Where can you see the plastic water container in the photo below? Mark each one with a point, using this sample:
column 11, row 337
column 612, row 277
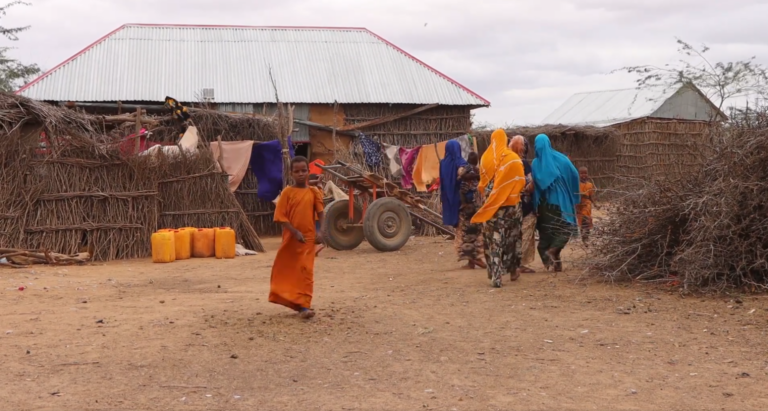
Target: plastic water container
column 183, row 239
column 163, row 247
column 203, row 243
column 225, row 242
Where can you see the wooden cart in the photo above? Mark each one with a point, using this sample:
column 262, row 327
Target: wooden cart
column 384, row 219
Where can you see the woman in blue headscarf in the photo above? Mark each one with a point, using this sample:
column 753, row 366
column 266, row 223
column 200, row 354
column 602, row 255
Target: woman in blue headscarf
column 555, row 196
column 460, row 201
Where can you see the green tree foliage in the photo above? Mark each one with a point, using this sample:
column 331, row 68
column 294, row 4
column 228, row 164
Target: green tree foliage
column 13, row 73
column 719, row 81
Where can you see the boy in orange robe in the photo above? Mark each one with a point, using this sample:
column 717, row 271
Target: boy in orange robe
column 584, row 209
column 293, row 271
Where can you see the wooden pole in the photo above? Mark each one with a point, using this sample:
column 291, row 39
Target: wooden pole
column 335, row 127
column 137, row 143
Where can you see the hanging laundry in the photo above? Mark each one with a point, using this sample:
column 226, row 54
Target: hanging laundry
column 314, row 167
column 128, row 145
column 234, row 157
column 267, row 166
column 427, row 168
column 393, row 156
column 189, row 140
column 371, row 150
column 465, row 142
column 408, row 157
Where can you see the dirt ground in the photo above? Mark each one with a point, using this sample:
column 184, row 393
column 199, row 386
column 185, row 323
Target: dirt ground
column 401, row 331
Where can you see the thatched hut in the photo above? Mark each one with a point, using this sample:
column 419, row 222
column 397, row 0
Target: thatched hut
column 81, row 191
column 661, row 129
column 593, row 147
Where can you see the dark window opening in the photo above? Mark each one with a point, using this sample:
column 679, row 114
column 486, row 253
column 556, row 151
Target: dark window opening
column 302, row 149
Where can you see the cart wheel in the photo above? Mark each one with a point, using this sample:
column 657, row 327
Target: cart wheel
column 387, row 224
column 338, row 236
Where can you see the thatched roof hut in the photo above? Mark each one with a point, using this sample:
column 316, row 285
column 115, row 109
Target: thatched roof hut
column 592, row 147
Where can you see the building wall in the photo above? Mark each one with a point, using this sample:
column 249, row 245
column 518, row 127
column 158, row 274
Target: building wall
column 322, row 144
column 685, row 104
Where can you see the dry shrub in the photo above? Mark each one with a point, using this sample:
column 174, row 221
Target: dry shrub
column 707, row 231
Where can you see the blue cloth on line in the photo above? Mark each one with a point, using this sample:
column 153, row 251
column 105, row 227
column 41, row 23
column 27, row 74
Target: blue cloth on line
column 450, row 185
column 267, row 166
column 556, row 179
column 371, row 150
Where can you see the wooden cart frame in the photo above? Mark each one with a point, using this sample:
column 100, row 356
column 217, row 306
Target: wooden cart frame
column 386, row 214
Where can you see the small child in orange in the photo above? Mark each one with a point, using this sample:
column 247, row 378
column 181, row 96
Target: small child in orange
column 584, row 209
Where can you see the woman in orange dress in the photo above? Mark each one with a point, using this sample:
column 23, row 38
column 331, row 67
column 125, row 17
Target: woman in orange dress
column 293, row 271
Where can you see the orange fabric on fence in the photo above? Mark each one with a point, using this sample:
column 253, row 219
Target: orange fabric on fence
column 293, row 274
column 314, row 167
column 427, row 169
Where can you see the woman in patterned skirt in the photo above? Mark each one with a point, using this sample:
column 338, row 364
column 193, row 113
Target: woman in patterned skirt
column 458, row 198
column 502, row 177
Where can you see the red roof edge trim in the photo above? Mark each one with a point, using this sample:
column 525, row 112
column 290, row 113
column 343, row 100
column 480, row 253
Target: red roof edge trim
column 44, row 75
column 409, row 55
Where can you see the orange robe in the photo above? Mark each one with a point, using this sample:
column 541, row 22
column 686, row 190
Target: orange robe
column 293, row 271
column 584, row 209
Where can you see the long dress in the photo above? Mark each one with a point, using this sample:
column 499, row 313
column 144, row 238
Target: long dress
column 292, row 279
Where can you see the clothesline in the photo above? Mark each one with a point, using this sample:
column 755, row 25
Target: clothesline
column 416, row 166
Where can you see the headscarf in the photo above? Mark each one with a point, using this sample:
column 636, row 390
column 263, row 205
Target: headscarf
column 555, row 178
column 449, row 182
column 508, row 177
column 490, row 160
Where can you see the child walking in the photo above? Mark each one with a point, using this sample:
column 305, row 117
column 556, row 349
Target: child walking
column 584, row 209
column 297, row 210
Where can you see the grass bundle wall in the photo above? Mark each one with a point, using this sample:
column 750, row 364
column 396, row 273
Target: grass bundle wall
column 658, row 148
column 591, row 147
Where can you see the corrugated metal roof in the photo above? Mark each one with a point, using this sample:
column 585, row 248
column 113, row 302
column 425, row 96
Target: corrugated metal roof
column 603, row 108
column 309, row 65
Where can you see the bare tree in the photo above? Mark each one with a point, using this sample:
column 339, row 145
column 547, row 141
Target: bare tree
column 13, row 73
column 719, row 81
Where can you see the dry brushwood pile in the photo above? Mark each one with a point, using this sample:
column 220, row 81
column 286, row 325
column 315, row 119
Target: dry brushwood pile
column 707, row 231
column 82, row 194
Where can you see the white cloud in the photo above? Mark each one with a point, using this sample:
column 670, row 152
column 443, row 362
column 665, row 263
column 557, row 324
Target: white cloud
column 526, row 57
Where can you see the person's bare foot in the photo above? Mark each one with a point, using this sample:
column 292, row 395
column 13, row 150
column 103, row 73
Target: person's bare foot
column 552, row 259
column 526, row 270
column 468, row 266
column 307, row 313
column 480, row 264
column 514, row 276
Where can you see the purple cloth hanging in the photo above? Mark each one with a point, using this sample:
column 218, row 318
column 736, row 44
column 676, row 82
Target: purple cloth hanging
column 408, row 158
column 267, row 166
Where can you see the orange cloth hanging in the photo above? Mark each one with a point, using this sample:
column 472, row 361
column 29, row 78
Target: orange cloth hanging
column 427, row 169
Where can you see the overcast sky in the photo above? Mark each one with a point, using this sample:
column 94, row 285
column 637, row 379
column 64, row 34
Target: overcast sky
column 526, row 57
